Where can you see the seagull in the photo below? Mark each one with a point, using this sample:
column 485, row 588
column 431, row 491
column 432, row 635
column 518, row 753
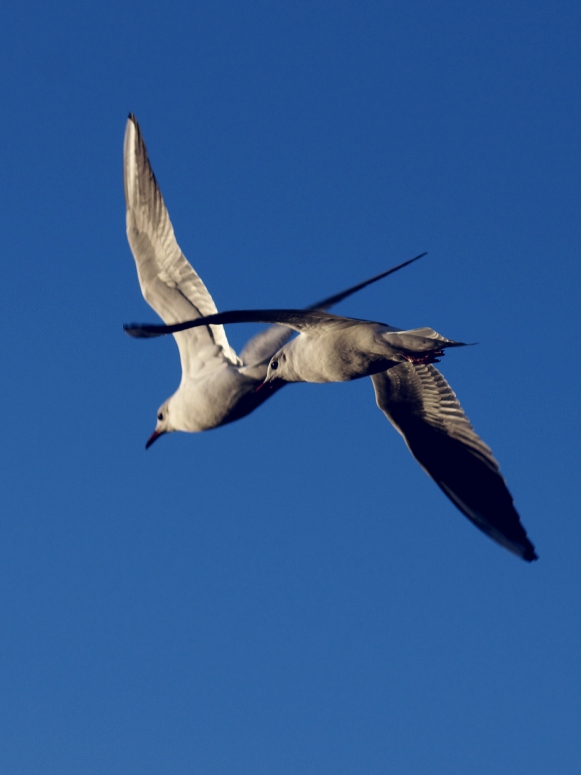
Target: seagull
column 410, row 391
column 217, row 386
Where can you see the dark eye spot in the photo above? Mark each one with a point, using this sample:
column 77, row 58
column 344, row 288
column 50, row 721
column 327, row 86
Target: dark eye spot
column 160, row 416
column 274, row 365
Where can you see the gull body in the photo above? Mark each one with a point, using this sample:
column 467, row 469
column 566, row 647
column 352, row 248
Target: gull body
column 347, row 350
column 217, row 385
column 328, row 348
column 409, row 390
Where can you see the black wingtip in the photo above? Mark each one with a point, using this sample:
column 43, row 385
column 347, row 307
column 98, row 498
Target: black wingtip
column 138, row 331
column 130, row 331
column 530, row 555
column 330, row 301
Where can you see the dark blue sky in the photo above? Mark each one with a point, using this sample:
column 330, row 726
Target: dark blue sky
column 288, row 594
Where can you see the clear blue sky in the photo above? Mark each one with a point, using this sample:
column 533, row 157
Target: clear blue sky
column 289, row 594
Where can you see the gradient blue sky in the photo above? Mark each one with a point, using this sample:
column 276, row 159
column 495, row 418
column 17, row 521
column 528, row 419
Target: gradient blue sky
column 289, row 594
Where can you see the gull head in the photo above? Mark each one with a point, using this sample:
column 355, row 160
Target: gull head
column 278, row 369
column 163, row 424
column 287, row 365
column 276, row 374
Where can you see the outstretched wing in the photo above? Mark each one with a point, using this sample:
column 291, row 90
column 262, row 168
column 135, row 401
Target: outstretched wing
column 266, row 343
column 301, row 320
column 421, row 405
column 168, row 282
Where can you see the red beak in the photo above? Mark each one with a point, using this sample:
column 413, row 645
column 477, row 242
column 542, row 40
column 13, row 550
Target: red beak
column 155, row 435
column 272, row 384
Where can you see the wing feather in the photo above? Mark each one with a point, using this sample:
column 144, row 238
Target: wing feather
column 421, row 405
column 303, row 321
column 168, row 282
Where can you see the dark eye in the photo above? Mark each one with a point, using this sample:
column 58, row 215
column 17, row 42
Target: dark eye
column 274, row 365
column 160, row 416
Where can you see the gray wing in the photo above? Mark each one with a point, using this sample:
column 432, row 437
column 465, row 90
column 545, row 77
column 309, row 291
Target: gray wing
column 168, row 282
column 266, row 343
column 303, row 321
column 421, row 405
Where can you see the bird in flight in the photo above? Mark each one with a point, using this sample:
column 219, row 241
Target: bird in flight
column 217, row 385
column 410, row 391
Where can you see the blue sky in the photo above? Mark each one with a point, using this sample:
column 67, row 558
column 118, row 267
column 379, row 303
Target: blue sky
column 289, row 594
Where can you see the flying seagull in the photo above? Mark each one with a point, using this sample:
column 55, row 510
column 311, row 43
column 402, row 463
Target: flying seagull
column 217, row 386
column 410, row 391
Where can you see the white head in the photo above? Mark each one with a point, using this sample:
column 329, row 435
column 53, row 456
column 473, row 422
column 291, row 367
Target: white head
column 163, row 424
column 281, row 368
